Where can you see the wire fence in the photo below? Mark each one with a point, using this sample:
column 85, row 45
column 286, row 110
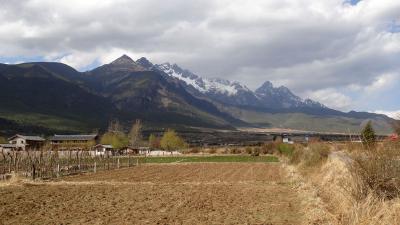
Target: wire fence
column 53, row 164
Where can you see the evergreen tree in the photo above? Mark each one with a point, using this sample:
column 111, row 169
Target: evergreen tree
column 368, row 135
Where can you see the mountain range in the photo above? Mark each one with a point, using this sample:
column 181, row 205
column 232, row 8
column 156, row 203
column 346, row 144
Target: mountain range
column 53, row 97
column 237, row 94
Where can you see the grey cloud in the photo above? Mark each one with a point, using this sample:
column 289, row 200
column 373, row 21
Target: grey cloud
column 312, row 45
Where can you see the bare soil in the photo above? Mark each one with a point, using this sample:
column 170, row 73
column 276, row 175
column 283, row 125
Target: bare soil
column 197, row 193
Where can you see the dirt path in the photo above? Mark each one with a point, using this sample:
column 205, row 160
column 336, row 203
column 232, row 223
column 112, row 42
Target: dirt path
column 198, row 193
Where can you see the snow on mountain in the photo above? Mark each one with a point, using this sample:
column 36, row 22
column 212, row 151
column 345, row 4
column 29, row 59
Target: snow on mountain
column 312, row 103
column 235, row 93
column 204, row 85
column 283, row 97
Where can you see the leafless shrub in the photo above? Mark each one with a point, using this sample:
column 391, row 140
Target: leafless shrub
column 312, row 155
column 212, row 151
column 248, row 150
column 193, row 150
column 235, row 150
column 269, row 148
column 256, row 151
column 378, row 170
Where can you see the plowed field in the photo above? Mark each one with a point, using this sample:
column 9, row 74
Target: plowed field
column 197, row 193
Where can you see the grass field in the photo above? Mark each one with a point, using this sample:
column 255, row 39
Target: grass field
column 222, row 158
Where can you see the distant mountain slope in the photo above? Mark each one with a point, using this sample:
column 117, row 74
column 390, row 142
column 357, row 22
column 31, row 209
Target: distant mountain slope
column 32, row 86
column 49, row 96
column 311, row 121
column 236, row 94
column 282, row 97
column 133, row 88
column 270, row 106
column 31, row 89
column 57, row 96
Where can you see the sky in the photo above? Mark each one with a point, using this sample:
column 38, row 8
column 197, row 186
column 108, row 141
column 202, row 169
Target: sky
column 343, row 53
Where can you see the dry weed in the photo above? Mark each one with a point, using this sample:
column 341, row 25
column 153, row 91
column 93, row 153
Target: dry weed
column 378, row 169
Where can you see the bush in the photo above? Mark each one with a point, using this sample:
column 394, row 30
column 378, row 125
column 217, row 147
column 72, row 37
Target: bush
column 378, row 171
column 286, row 149
column 256, row 151
column 235, row 151
column 311, row 156
column 353, row 146
column 212, row 151
column 249, row 150
column 316, row 155
column 269, row 148
column 297, row 156
column 194, row 150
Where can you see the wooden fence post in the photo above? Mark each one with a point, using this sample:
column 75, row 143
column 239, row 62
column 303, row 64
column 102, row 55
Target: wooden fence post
column 58, row 170
column 118, row 163
column 94, row 167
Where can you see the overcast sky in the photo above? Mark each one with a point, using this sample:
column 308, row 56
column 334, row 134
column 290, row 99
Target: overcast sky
column 345, row 54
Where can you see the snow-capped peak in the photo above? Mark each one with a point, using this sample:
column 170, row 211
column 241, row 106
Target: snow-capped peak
column 235, row 93
column 204, row 85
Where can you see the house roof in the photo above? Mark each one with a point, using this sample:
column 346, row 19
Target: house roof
column 28, row 138
column 104, row 146
column 78, row 137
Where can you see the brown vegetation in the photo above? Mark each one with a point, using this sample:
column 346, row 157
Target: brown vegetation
column 359, row 185
column 378, row 170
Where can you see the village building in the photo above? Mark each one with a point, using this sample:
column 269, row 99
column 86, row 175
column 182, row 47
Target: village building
column 22, row 143
column 7, row 147
column 101, row 149
column 77, row 142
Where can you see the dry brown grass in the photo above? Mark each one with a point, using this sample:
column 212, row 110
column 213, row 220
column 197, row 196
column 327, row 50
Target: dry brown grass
column 310, row 156
column 378, row 170
column 358, row 186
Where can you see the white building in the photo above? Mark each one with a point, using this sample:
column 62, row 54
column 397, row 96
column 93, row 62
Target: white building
column 102, row 149
column 22, row 142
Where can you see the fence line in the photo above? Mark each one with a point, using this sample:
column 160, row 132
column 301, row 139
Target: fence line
column 52, row 164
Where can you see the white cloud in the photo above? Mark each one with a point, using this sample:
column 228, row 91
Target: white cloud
column 306, row 45
column 331, row 98
column 382, row 82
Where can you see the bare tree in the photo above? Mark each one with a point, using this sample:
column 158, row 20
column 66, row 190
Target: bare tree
column 135, row 135
column 115, row 127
